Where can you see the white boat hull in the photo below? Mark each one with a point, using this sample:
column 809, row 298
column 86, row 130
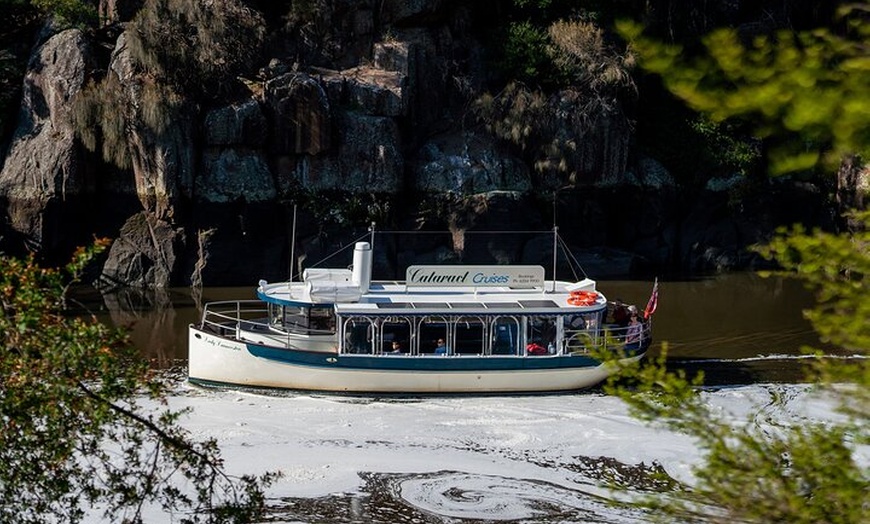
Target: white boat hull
column 219, row 360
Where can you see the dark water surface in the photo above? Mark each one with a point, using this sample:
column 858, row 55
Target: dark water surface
column 739, row 328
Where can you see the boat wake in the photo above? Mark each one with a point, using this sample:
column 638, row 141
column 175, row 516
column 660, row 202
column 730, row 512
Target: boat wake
column 758, row 369
column 764, row 358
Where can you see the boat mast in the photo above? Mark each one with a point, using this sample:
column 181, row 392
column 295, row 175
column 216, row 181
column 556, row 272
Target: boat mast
column 555, row 252
column 293, row 244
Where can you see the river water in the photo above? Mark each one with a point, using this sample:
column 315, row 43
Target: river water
column 526, row 459
column 738, row 328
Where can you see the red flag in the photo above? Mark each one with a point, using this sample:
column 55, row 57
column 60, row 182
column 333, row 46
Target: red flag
column 653, row 301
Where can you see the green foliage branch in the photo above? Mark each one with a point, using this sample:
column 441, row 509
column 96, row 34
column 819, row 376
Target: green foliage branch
column 836, row 268
column 811, row 86
column 762, row 470
column 754, row 471
column 808, row 91
column 525, row 52
column 83, row 422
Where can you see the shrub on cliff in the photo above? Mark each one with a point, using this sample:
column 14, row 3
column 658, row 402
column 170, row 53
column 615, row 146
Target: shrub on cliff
column 72, row 13
column 184, row 52
column 568, row 131
column 198, row 48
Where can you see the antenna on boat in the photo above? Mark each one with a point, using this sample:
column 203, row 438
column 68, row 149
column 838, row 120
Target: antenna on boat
column 372, row 231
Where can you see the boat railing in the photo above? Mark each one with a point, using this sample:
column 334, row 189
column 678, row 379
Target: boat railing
column 229, row 318
column 606, row 336
column 225, row 318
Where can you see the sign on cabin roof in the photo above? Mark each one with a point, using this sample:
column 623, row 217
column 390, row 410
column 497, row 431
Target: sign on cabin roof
column 516, row 277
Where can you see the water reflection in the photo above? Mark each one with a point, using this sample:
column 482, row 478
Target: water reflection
column 738, row 327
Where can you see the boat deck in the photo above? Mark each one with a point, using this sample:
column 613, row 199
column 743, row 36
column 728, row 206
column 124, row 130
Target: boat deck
column 397, row 297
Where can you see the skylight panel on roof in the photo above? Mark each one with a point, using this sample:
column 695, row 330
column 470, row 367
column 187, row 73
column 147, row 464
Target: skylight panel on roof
column 537, row 303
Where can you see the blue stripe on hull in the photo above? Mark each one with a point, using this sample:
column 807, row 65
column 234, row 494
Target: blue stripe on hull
column 418, row 363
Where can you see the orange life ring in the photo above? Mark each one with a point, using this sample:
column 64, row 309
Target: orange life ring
column 582, row 298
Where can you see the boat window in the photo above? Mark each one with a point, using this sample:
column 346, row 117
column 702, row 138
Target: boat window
column 321, row 320
column 276, row 313
column 431, row 331
column 469, row 335
column 396, row 329
column 294, row 318
column 311, row 320
column 541, row 331
column 583, row 321
column 505, row 336
column 358, row 335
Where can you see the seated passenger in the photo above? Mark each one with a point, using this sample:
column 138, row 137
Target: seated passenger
column 441, row 347
column 534, row 348
column 397, row 348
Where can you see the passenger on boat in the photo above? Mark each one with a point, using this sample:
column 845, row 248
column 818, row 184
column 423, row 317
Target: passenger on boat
column 534, row 348
column 621, row 316
column 441, row 348
column 634, row 333
column 397, row 347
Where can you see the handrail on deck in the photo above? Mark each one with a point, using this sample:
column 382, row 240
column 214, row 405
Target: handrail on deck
column 229, row 316
column 604, row 336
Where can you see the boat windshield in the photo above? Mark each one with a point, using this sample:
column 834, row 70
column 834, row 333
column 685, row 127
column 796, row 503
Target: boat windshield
column 303, row 319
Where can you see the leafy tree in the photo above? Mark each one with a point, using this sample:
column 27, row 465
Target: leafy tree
column 769, row 472
column 801, row 472
column 805, row 92
column 75, row 432
column 525, row 52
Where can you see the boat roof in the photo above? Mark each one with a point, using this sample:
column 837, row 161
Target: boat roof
column 397, row 298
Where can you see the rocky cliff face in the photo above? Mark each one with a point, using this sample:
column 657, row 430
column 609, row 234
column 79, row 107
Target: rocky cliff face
column 375, row 129
column 44, row 178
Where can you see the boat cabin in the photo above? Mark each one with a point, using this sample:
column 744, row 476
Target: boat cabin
column 436, row 311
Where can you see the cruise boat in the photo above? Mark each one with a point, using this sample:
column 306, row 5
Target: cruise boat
column 473, row 329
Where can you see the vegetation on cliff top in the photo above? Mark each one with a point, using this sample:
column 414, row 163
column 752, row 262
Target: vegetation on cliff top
column 183, row 52
column 598, row 84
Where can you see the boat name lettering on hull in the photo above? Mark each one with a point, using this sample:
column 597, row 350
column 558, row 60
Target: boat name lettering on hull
column 222, row 344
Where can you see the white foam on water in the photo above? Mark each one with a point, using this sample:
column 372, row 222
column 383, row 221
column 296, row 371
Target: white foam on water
column 497, row 458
